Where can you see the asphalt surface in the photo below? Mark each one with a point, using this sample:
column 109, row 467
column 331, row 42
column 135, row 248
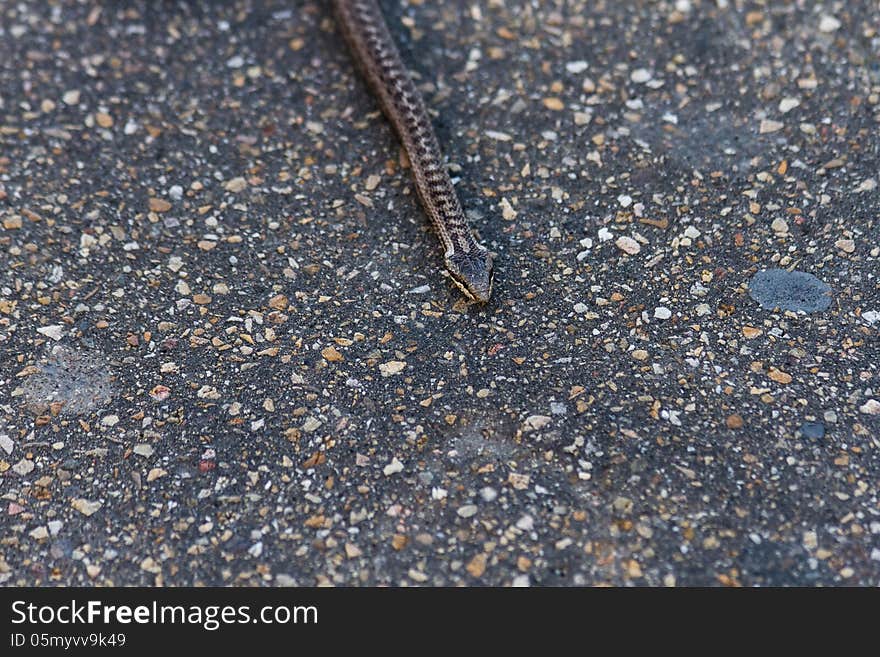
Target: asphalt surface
column 229, row 355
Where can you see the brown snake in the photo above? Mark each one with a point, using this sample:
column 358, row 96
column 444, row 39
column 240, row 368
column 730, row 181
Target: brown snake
column 469, row 264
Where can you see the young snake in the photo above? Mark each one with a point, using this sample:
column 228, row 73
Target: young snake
column 469, row 264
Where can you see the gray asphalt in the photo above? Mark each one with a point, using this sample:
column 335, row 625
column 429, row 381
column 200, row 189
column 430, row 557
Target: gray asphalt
column 229, row 355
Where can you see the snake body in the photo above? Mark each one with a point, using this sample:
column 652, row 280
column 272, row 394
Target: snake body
column 363, row 26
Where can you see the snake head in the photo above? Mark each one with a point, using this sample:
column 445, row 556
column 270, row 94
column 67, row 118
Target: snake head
column 471, row 272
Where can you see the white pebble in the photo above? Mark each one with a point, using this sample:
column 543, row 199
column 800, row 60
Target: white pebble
column 392, row 468
column 54, row 331
column 628, row 245
column 558, row 408
column 640, row 75
column 828, row 24
column 768, row 125
column 788, row 104
column 526, row 523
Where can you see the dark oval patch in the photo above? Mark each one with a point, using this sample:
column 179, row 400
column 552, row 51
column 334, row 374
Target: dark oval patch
column 789, row 290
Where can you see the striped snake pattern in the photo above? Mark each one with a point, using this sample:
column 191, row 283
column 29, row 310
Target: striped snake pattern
column 363, row 26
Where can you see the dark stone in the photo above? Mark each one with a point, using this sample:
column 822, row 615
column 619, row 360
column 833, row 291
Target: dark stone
column 812, row 430
column 789, row 290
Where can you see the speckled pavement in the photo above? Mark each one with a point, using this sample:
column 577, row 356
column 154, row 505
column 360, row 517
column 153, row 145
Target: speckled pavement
column 229, row 355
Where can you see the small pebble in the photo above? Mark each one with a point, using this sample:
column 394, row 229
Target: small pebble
column 828, row 24
column 628, row 245
column 815, row 430
column 788, row 104
column 640, row 75
column 870, row 407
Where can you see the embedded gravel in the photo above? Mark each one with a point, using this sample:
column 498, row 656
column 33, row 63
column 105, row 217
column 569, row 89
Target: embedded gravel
column 229, row 356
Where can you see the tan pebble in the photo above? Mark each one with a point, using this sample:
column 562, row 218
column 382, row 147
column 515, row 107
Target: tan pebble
column 372, row 182
column 85, row 506
column 811, row 541
column 768, row 126
column 392, row 367
column 12, row 222
column 159, row 205
column 507, row 211
column 39, row 533
column 633, row 569
column 331, row 355
column 536, row 422
column 779, row 376
column 279, row 302
column 156, row 473
column 847, row 246
column 235, row 185
column 477, row 566
column 779, row 225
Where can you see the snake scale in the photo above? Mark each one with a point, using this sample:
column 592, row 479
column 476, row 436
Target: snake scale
column 363, row 26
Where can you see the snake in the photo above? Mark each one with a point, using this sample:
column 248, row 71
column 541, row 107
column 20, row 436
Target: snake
column 375, row 55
